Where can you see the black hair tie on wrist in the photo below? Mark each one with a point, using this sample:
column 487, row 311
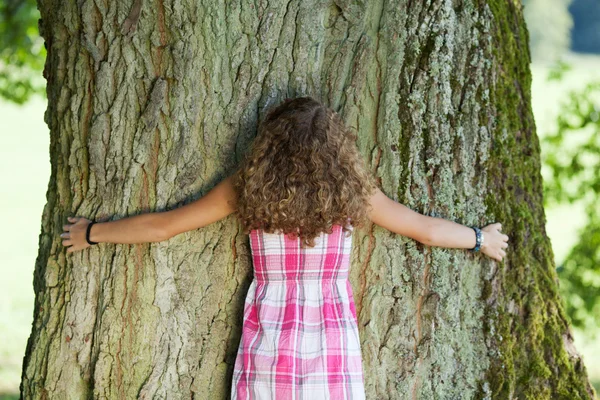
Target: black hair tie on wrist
column 87, row 233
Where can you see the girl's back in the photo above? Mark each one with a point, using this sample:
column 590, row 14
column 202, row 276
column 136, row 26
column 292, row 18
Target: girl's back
column 300, row 334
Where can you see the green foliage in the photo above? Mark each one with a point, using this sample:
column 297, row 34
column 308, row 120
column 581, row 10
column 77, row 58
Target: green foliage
column 549, row 24
column 580, row 278
column 559, row 70
column 22, row 51
column 572, row 154
column 573, row 151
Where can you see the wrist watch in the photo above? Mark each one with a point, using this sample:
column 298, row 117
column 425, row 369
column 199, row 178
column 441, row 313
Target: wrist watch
column 478, row 238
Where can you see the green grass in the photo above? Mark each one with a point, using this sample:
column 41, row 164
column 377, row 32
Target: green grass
column 25, row 168
column 9, row 396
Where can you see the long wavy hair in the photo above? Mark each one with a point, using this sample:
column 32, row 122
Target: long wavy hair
column 303, row 174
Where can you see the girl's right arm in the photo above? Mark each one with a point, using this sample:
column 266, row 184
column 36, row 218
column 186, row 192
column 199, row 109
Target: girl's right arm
column 217, row 204
column 433, row 231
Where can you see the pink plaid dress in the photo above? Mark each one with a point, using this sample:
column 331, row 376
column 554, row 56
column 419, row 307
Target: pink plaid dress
column 300, row 334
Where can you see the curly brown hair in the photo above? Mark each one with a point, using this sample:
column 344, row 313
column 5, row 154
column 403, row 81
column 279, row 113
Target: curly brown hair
column 303, row 174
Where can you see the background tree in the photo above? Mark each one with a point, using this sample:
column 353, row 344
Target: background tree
column 22, row 51
column 149, row 105
column 572, row 155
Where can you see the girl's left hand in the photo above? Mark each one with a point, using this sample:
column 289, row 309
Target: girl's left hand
column 494, row 241
column 74, row 234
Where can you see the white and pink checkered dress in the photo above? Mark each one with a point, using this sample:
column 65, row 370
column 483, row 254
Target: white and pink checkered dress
column 300, row 334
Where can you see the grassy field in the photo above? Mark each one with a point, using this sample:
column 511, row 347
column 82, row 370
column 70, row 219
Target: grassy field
column 25, row 170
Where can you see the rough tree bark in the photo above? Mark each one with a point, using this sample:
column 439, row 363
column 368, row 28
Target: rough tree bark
column 151, row 103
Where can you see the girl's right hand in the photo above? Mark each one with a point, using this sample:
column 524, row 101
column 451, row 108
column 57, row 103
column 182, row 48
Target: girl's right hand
column 74, row 234
column 494, row 241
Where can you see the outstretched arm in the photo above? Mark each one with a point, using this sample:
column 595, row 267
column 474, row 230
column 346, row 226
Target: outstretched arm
column 433, row 231
column 218, row 203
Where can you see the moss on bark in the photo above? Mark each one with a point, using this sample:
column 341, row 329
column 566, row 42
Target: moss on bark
column 527, row 325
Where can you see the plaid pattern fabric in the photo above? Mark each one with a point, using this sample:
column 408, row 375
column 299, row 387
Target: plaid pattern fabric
column 300, row 334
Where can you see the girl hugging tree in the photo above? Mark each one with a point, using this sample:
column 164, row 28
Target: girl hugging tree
column 299, row 193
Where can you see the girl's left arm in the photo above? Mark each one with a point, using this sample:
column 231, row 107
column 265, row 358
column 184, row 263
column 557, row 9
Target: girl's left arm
column 434, row 231
column 218, row 203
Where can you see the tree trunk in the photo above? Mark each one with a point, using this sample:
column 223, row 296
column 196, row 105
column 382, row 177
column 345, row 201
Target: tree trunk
column 152, row 103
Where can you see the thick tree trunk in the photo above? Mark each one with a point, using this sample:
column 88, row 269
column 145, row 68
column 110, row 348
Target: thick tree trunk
column 152, row 103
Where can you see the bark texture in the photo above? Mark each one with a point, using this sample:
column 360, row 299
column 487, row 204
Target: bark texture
column 151, row 103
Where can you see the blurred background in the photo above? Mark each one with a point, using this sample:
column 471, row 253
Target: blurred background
column 565, row 46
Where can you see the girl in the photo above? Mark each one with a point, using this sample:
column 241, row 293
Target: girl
column 299, row 193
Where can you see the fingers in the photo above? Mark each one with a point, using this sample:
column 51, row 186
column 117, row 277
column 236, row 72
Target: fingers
column 73, row 248
column 75, row 220
column 500, row 253
column 67, row 227
column 66, row 235
column 69, row 245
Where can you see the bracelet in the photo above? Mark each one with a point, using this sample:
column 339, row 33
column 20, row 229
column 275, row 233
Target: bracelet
column 87, row 233
column 478, row 238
